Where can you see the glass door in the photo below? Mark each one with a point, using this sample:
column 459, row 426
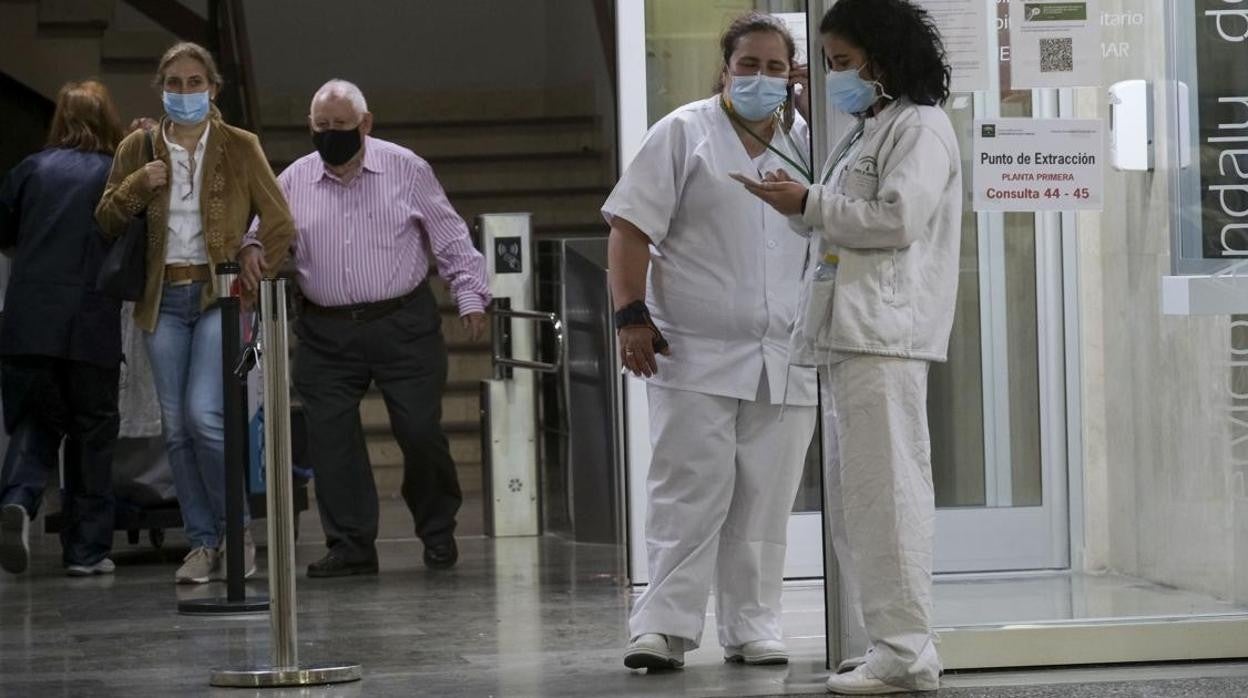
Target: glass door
column 669, row 56
column 998, row 439
column 1086, row 532
column 997, row 407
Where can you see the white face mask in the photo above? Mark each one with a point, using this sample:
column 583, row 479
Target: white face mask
column 755, row 97
column 850, row 93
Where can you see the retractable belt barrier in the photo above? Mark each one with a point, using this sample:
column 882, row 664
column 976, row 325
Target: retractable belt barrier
column 285, row 669
column 235, row 417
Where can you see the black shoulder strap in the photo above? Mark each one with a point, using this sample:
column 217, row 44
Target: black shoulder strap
column 151, row 146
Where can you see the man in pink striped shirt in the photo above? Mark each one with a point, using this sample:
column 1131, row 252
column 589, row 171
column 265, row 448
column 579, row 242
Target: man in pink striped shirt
column 368, row 214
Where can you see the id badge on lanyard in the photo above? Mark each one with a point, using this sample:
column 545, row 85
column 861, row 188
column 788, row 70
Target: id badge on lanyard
column 803, row 168
column 840, row 158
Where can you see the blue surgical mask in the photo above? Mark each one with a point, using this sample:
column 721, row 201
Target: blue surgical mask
column 187, row 109
column 848, row 92
column 754, row 97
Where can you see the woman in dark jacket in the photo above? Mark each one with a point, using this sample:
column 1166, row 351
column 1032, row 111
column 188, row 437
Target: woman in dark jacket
column 60, row 341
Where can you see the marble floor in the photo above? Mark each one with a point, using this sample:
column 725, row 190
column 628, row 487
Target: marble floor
column 1056, row 597
column 520, row 617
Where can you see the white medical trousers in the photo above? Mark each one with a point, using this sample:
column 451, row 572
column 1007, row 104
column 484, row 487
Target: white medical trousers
column 722, row 482
column 881, row 507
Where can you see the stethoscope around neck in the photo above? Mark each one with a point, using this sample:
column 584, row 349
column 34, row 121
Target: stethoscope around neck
column 802, row 168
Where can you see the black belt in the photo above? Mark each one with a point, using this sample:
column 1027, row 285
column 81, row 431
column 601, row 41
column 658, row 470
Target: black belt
column 364, row 312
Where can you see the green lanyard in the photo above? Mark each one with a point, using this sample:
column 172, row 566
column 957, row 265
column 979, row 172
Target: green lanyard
column 844, row 152
column 736, row 119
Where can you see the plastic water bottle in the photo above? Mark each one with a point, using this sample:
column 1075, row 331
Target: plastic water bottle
column 826, row 269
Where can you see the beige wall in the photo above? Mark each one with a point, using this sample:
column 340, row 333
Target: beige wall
column 1158, row 473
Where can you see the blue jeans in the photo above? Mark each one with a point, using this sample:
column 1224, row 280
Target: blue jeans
column 185, row 352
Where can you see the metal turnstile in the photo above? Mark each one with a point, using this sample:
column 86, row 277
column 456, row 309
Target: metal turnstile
column 582, row 412
column 509, row 450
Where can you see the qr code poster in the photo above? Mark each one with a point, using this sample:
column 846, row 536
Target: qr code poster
column 1055, row 43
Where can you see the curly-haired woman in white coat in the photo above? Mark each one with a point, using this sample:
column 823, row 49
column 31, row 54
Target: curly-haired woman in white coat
column 886, row 212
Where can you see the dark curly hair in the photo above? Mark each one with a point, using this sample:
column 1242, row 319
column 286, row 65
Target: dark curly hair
column 901, row 42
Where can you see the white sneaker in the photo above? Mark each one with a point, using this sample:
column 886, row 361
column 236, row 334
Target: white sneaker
column 653, row 651
column 853, row 663
column 758, row 653
column 861, row 682
column 14, row 538
column 104, row 566
column 197, row 567
column 249, row 558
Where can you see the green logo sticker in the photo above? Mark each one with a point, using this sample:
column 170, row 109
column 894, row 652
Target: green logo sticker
column 1055, row 12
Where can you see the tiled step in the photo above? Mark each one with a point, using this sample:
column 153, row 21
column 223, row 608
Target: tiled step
column 132, row 91
column 133, row 51
column 389, row 480
column 439, row 139
column 74, row 18
column 42, row 63
column 545, row 169
column 464, row 438
column 539, row 170
column 553, row 207
column 399, row 105
column 588, row 228
column 385, row 455
column 460, row 405
column 471, row 365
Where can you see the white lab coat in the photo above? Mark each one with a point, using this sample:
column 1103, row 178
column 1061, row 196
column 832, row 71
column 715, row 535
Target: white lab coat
column 725, row 273
column 895, row 218
column 725, row 269
column 894, row 215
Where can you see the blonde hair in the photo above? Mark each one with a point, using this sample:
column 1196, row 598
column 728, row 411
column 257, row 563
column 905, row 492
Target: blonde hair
column 85, row 119
column 188, row 49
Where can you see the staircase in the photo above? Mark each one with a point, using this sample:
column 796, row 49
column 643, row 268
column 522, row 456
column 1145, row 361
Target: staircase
column 557, row 167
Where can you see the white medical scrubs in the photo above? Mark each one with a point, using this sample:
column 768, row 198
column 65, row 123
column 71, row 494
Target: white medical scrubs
column 725, row 272
column 892, row 209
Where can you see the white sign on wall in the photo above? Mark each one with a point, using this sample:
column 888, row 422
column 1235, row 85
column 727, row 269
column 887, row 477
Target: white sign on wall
column 1055, row 43
column 964, row 28
column 1039, row 165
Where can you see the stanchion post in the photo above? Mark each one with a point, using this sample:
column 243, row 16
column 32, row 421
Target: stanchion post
column 277, row 458
column 285, row 669
column 235, row 417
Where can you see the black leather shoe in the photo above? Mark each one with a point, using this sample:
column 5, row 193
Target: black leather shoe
column 336, row 564
column 441, row 556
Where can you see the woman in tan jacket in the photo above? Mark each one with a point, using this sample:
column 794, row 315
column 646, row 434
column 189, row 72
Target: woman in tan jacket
column 200, row 192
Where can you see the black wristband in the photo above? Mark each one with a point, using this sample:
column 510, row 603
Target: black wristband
column 805, row 197
column 635, row 314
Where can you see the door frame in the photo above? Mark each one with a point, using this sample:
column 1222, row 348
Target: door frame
column 803, row 562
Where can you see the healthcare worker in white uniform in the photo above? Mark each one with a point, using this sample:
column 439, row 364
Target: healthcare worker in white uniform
column 705, row 280
column 875, row 312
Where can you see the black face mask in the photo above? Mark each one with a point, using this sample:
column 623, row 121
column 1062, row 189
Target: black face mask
column 337, row 147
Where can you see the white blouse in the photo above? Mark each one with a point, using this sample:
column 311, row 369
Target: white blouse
column 186, row 224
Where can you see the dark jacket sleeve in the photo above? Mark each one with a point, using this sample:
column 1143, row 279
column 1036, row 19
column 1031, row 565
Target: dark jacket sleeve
column 11, row 204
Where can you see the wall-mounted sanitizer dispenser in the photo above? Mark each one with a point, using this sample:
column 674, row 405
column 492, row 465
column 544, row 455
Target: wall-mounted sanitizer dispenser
column 1131, row 126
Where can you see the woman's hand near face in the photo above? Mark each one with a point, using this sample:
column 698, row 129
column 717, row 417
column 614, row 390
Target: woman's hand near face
column 780, row 192
column 799, row 78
